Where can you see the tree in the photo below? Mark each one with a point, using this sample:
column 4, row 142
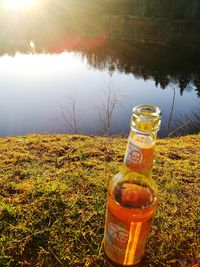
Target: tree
column 107, row 109
column 71, row 115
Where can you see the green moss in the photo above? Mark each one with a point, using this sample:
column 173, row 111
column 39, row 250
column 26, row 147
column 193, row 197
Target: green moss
column 53, row 195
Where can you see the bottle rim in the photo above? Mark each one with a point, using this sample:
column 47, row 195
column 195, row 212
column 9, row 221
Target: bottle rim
column 146, row 118
column 148, row 112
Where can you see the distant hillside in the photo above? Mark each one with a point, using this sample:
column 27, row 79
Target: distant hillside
column 162, row 22
column 170, row 9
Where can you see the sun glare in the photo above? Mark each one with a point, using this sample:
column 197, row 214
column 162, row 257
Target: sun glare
column 19, row 4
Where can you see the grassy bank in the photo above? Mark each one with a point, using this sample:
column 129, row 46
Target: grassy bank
column 53, row 195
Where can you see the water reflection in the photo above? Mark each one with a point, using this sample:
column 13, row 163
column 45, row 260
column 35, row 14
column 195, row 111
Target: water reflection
column 163, row 65
column 81, row 68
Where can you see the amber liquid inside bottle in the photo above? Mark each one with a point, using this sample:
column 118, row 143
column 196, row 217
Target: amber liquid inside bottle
column 132, row 197
column 131, row 206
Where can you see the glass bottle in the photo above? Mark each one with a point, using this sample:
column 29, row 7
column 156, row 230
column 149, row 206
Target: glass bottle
column 132, row 193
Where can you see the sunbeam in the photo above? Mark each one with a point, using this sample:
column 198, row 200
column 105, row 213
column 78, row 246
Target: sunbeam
column 19, row 4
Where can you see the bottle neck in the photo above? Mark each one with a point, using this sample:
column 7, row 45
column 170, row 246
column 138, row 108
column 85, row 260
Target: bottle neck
column 140, row 151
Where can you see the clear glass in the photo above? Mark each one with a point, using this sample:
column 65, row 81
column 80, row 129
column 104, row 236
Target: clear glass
column 145, row 123
column 146, row 119
column 132, row 196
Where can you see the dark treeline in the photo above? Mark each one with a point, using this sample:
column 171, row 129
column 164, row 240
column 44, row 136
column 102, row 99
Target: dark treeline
column 164, row 66
column 162, row 22
column 170, row 9
column 55, row 26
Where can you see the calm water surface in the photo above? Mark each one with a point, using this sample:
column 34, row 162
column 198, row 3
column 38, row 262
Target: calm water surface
column 38, row 90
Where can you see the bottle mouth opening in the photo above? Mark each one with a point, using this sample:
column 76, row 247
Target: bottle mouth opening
column 146, row 118
column 148, row 112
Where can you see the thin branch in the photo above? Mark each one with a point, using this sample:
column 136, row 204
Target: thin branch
column 55, row 256
column 71, row 115
column 178, row 128
column 106, row 110
column 170, row 117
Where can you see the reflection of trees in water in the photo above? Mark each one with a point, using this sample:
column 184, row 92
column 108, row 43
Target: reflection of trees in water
column 162, row 65
column 188, row 124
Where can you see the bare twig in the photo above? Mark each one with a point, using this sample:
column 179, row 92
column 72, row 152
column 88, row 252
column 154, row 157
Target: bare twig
column 55, row 256
column 189, row 124
column 178, row 128
column 107, row 109
column 170, row 116
column 71, row 115
column 31, row 235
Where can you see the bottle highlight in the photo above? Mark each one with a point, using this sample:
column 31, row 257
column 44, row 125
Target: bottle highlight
column 133, row 194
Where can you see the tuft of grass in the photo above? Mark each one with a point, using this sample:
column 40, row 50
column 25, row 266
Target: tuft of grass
column 53, row 191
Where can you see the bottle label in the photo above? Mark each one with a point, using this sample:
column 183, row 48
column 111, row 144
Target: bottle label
column 139, row 153
column 124, row 242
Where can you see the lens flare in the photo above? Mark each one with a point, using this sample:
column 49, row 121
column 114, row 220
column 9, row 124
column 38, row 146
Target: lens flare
column 19, row 4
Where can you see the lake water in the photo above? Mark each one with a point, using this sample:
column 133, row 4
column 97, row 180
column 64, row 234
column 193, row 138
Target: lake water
column 42, row 89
